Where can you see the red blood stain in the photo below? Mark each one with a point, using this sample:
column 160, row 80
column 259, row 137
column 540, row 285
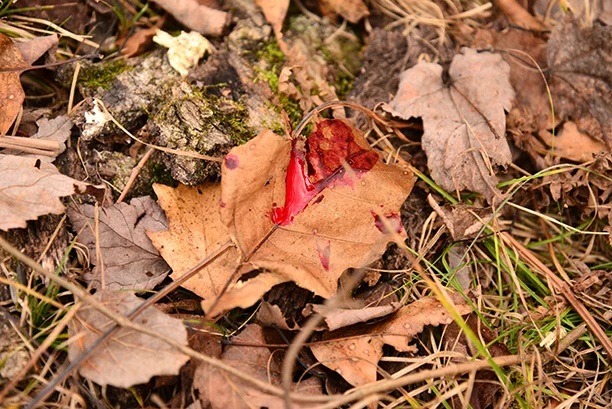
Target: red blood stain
column 324, row 253
column 222, row 204
column 394, row 220
column 231, row 161
column 319, row 166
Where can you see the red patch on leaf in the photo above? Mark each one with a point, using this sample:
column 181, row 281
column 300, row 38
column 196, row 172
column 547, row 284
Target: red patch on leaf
column 231, row 161
column 392, row 218
column 330, row 145
column 324, row 253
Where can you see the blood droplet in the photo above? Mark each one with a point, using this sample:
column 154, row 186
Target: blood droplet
column 231, row 161
column 394, row 220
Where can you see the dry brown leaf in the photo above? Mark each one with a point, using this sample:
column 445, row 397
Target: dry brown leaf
column 464, row 222
column 351, row 10
column 336, row 318
column 465, row 124
column 219, row 390
column 356, row 352
column 129, row 259
column 127, row 357
column 571, row 143
column 519, row 16
column 580, row 61
column 35, row 48
column 195, row 16
column 195, row 230
column 274, row 11
column 138, row 42
column 331, row 220
column 56, row 129
column 30, row 188
column 11, row 92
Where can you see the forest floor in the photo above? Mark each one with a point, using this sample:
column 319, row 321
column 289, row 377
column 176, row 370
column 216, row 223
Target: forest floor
column 315, row 203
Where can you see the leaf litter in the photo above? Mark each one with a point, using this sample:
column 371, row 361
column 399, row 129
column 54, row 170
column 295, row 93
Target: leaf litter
column 293, row 211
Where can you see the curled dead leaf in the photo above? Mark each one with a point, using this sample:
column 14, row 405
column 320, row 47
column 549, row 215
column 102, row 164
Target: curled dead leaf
column 354, row 352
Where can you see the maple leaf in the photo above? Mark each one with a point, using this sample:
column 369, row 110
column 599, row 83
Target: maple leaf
column 356, row 352
column 129, row 258
column 127, row 357
column 292, row 208
column 11, row 92
column 194, row 231
column 220, row 390
column 30, row 188
column 464, row 124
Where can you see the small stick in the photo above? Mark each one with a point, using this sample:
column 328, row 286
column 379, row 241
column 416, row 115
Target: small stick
column 135, row 173
column 18, row 142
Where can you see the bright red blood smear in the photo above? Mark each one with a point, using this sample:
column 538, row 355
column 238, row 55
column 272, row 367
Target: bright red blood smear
column 324, row 255
column 393, row 219
column 231, row 161
column 309, row 173
column 298, row 189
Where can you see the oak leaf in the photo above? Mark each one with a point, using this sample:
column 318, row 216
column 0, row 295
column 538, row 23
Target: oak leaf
column 351, row 10
column 127, row 357
column 356, row 352
column 219, row 390
column 11, row 92
column 293, row 209
column 464, row 124
column 129, row 259
column 30, row 188
column 50, row 130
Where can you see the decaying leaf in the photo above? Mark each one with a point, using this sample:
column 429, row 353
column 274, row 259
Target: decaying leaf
column 274, row 11
column 195, row 230
column 129, row 259
column 30, row 188
column 580, row 61
column 351, row 10
column 51, row 130
column 11, row 92
column 571, row 143
column 465, row 123
column 336, row 318
column 219, row 390
column 35, row 48
column 128, row 357
column 196, row 16
column 293, row 209
column 354, row 352
column 463, row 221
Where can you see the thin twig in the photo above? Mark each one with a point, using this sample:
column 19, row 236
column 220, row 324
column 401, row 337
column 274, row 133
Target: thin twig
column 135, row 173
